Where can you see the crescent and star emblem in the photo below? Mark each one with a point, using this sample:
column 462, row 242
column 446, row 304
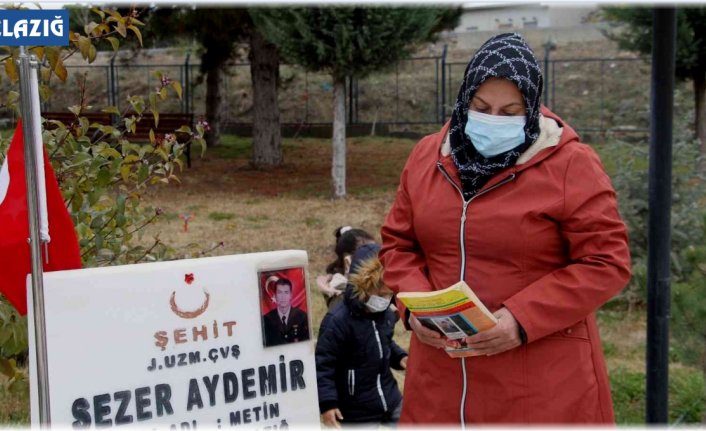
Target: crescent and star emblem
column 189, row 314
column 185, row 313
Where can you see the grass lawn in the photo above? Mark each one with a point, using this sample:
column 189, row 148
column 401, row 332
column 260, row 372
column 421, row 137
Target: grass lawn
column 289, row 207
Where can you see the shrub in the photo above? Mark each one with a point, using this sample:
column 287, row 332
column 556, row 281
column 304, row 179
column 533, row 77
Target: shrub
column 686, row 396
column 628, row 165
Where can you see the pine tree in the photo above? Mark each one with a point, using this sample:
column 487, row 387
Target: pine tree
column 634, row 32
column 348, row 42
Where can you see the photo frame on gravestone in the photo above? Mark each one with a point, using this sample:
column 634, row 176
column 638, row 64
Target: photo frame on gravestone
column 284, row 306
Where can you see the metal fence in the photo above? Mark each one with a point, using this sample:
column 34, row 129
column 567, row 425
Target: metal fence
column 598, row 95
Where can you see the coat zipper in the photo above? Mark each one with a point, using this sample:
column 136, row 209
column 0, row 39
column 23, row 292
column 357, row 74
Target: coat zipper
column 382, row 395
column 379, row 385
column 377, row 337
column 465, row 207
column 463, row 262
column 351, row 382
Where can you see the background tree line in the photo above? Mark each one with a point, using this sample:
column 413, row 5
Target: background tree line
column 348, row 42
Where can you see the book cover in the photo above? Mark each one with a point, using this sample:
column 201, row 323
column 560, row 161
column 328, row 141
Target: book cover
column 454, row 312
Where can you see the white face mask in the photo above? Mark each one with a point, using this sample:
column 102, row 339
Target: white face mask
column 495, row 134
column 376, row 304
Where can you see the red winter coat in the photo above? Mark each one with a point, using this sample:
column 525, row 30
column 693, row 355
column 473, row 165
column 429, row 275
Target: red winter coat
column 542, row 238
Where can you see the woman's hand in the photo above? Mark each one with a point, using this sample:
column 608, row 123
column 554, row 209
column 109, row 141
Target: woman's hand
column 403, row 362
column 426, row 335
column 331, row 418
column 503, row 336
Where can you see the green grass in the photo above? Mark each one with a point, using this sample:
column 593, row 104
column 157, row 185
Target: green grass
column 686, row 396
column 232, row 147
column 615, row 154
column 256, row 218
column 309, row 191
column 609, row 349
column 367, row 191
column 14, row 404
column 623, row 334
column 253, row 201
column 218, row 216
column 313, row 222
column 628, row 390
column 170, row 216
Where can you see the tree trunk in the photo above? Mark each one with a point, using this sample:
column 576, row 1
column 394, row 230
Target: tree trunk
column 214, row 103
column 700, row 113
column 264, row 72
column 338, row 166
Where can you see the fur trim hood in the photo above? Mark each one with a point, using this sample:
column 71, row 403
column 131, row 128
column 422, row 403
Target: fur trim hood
column 365, row 278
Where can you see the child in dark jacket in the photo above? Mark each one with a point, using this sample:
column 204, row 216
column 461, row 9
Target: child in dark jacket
column 355, row 350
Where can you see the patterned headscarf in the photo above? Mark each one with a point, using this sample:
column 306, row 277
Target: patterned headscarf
column 503, row 56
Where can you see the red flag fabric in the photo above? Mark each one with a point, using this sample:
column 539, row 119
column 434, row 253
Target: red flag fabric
column 15, row 254
column 267, row 294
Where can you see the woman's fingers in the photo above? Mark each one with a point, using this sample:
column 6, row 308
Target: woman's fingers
column 420, row 329
column 426, row 335
column 503, row 336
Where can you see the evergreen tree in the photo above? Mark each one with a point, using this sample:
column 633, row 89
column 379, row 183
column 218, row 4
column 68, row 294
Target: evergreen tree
column 348, row 42
column 634, row 32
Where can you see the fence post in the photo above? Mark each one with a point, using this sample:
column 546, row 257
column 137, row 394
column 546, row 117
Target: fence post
column 108, row 83
column 664, row 24
column 602, row 123
column 553, row 82
column 436, row 79
column 549, row 46
column 397, row 92
column 185, row 84
column 112, row 96
column 442, row 108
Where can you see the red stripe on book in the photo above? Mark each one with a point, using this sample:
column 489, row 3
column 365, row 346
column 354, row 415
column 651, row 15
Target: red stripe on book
column 447, row 311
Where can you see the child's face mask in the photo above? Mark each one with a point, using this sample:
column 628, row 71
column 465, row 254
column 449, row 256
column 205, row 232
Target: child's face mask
column 376, row 304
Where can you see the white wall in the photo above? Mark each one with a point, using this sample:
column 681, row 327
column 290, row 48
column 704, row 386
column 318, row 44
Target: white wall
column 520, row 17
column 534, row 36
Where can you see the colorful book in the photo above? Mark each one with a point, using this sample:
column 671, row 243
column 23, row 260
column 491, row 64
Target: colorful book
column 454, row 312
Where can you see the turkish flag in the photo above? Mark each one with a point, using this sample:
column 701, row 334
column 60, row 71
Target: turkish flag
column 15, row 254
column 267, row 286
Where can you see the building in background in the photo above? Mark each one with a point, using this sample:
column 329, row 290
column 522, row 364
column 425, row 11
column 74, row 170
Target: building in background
column 536, row 21
column 513, row 16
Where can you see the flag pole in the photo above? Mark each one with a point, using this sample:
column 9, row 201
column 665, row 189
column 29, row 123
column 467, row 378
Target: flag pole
column 29, row 125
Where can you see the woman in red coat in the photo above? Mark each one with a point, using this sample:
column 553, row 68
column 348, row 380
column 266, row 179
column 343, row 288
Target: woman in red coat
column 508, row 199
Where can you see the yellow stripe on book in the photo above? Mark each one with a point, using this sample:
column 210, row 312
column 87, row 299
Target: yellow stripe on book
column 438, row 302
